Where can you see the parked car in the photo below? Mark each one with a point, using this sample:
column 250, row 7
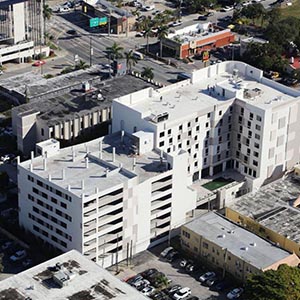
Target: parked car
column 175, row 24
column 134, row 279
column 183, row 263
column 6, row 245
column 140, row 284
column 38, row 63
column 148, row 290
column 172, row 256
column 149, row 7
column 235, row 293
column 222, row 285
column 211, row 281
column 165, row 252
column 202, row 18
column 19, row 255
column 207, row 276
column 227, row 8
column 149, row 272
column 209, row 14
column 173, row 289
column 27, row 263
column 72, row 31
column 160, row 296
column 182, row 293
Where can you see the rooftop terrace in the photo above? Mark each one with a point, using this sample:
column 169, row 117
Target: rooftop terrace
column 83, row 168
column 271, row 207
column 238, row 241
column 87, row 280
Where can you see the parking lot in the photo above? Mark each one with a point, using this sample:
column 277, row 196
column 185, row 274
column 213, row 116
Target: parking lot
column 178, row 275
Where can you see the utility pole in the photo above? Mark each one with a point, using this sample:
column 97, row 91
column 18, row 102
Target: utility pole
column 91, row 52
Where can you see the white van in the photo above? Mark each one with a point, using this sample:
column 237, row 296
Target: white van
column 138, row 55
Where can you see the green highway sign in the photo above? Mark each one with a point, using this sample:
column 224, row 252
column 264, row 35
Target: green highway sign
column 94, row 22
column 103, row 21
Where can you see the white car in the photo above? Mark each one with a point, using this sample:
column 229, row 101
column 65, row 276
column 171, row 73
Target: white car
column 148, row 290
column 64, row 9
column 166, row 252
column 207, row 276
column 235, row 293
column 149, row 7
column 176, row 23
column 182, row 293
column 227, row 8
column 19, row 255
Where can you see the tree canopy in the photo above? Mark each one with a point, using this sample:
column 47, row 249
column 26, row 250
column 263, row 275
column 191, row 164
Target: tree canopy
column 282, row 284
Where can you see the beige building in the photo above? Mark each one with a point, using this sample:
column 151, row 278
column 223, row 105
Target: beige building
column 232, row 248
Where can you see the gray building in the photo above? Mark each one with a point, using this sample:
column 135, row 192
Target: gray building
column 65, row 107
column 70, row 276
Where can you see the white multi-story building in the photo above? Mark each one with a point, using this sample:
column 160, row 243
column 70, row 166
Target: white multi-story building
column 118, row 195
column 227, row 116
column 108, row 199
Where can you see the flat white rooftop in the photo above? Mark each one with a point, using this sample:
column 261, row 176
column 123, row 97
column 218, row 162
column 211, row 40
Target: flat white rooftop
column 90, row 282
column 205, row 90
column 237, row 240
column 72, row 166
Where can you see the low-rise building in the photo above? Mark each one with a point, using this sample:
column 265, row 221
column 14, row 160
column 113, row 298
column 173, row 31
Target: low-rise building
column 244, row 43
column 272, row 212
column 119, row 20
column 194, row 39
column 69, row 276
column 66, row 107
column 232, row 248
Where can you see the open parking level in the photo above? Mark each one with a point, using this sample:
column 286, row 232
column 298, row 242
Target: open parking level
column 173, row 272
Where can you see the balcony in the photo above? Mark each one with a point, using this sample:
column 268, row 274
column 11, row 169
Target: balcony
column 108, row 228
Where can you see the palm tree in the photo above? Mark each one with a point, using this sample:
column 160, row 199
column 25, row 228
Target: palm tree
column 131, row 60
column 146, row 33
column 114, row 51
column 81, row 65
column 147, row 72
column 47, row 13
column 162, row 33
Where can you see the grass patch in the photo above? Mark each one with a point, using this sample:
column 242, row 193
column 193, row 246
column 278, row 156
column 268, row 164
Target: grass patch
column 217, row 183
column 291, row 11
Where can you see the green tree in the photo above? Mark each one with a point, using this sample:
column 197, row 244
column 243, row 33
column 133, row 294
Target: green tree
column 282, row 284
column 131, row 60
column 199, row 5
column 81, row 65
column 147, row 72
column 162, row 33
column 115, row 51
column 47, row 14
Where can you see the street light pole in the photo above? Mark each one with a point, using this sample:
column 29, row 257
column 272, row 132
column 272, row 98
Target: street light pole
column 91, row 52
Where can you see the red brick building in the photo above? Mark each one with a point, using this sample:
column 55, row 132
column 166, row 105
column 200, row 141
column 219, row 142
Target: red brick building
column 195, row 39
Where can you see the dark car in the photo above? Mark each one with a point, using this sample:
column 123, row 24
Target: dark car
column 222, row 285
column 173, row 289
column 202, row 18
column 172, row 256
column 147, row 273
column 209, row 14
column 211, row 281
column 159, row 296
column 72, row 31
